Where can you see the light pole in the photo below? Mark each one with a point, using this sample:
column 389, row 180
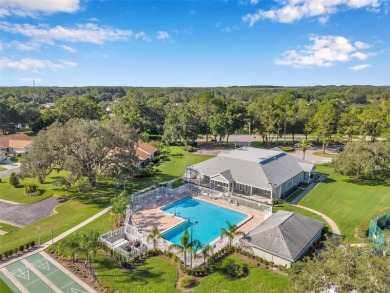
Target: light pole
column 272, row 191
column 39, row 236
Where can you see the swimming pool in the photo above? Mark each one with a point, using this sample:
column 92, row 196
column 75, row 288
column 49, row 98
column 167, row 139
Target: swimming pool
column 210, row 217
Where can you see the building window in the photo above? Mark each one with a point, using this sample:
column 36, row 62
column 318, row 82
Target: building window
column 289, row 184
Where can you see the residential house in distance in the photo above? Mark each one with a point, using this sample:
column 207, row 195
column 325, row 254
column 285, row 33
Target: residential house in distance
column 283, row 238
column 253, row 173
column 2, row 155
column 145, row 153
column 16, row 143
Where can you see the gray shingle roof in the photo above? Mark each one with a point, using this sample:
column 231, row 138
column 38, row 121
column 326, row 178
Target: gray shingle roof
column 284, row 234
column 255, row 167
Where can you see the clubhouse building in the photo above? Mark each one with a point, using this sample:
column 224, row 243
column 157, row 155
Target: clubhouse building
column 253, row 173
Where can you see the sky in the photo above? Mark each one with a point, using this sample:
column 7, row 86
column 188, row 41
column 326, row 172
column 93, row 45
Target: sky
column 194, row 43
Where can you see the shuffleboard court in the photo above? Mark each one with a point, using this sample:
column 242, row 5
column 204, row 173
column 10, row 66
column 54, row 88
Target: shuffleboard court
column 65, row 283
column 9, row 283
column 27, row 278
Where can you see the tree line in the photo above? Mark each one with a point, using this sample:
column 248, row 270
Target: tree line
column 179, row 115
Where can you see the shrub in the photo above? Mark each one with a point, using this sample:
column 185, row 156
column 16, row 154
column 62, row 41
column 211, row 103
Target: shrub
column 13, row 180
column 155, row 159
column 1, row 257
column 32, row 244
column 0, row 180
column 30, row 187
column 237, row 270
column 187, row 282
column 287, row 148
column 189, row 148
column 21, row 248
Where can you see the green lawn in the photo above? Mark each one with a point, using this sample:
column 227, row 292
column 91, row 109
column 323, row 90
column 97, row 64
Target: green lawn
column 2, row 169
column 10, row 193
column 170, row 169
column 8, row 227
column 4, row 288
column 159, row 275
column 294, row 209
column 155, row 275
column 68, row 215
column 258, row 280
column 348, row 203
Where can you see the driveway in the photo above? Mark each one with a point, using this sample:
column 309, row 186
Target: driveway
column 7, row 173
column 24, row 214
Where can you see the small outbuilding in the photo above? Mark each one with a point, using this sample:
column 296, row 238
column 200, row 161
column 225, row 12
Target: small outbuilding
column 283, row 238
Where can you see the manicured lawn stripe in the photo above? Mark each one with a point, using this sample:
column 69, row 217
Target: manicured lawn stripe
column 8, row 227
column 346, row 202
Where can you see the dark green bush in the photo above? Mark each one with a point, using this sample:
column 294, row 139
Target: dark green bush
column 237, row 270
column 187, row 282
column 13, row 180
column 188, row 148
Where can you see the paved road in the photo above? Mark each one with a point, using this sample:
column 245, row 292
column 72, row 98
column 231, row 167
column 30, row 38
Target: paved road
column 24, row 214
column 7, row 173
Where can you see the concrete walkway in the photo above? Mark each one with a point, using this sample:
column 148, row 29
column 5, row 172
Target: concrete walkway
column 332, row 224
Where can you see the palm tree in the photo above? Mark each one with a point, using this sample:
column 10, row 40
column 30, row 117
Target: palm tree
column 154, row 236
column 118, row 208
column 88, row 245
column 206, row 252
column 230, row 232
column 73, row 244
column 304, row 145
column 187, row 245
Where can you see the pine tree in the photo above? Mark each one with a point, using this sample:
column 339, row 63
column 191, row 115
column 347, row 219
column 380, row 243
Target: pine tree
column 13, row 180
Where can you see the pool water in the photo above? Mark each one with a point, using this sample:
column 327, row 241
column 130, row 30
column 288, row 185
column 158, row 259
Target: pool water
column 211, row 218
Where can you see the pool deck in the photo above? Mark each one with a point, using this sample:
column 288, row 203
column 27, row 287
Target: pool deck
column 151, row 215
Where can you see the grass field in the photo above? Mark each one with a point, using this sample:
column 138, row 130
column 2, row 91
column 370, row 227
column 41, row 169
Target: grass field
column 4, row 288
column 294, row 209
column 348, row 203
column 68, row 215
column 170, row 169
column 2, row 169
column 8, row 227
column 159, row 275
column 258, row 280
column 10, row 193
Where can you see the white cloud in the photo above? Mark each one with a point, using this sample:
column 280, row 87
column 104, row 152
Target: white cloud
column 30, row 79
column 143, row 36
column 254, row 2
column 294, row 10
column 360, row 67
column 229, row 29
column 32, row 64
column 324, row 51
column 69, row 49
column 162, row 35
column 34, row 8
column 87, row 33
